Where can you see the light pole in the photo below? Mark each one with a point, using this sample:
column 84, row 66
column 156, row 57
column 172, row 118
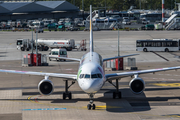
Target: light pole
column 118, row 41
column 32, row 40
column 118, row 25
column 83, row 8
column 36, row 46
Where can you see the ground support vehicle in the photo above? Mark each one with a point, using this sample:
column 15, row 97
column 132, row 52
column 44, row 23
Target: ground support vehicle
column 68, row 44
column 82, row 45
column 58, row 53
column 148, row 27
column 23, row 44
column 165, row 45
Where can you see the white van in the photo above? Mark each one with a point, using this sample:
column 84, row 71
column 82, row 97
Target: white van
column 58, row 53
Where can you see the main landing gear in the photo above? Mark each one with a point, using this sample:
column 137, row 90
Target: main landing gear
column 91, row 105
column 67, row 93
column 116, row 94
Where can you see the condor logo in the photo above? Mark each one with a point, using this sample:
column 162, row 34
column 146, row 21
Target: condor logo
column 58, row 43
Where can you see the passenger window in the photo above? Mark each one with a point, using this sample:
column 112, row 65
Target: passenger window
column 94, row 76
column 87, row 76
column 99, row 75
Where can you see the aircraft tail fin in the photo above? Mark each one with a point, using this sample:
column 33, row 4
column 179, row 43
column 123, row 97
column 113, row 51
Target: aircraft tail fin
column 91, row 31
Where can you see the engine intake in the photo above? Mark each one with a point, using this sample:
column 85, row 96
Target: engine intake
column 45, row 87
column 137, row 85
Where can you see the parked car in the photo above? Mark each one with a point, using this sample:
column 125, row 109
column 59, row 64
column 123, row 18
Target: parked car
column 52, row 26
column 39, row 30
column 61, row 27
column 72, row 28
column 126, row 22
column 145, row 21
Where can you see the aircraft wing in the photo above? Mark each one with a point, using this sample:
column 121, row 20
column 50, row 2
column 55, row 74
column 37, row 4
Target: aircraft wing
column 66, row 76
column 118, row 57
column 127, row 74
column 74, row 59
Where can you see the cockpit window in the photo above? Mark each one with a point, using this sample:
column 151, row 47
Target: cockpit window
column 99, row 75
column 87, row 76
column 94, row 76
column 81, row 76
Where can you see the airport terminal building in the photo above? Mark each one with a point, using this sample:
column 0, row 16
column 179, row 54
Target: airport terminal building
column 13, row 10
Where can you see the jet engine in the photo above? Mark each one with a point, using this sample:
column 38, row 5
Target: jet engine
column 137, row 85
column 45, row 87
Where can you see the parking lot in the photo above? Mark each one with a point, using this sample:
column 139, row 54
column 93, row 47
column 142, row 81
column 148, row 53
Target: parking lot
column 20, row 99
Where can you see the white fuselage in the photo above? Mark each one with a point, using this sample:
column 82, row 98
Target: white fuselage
column 91, row 76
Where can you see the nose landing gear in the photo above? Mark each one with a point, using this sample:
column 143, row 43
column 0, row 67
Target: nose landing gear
column 91, row 105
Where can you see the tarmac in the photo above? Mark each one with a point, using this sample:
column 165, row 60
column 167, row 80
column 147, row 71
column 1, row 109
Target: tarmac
column 20, row 99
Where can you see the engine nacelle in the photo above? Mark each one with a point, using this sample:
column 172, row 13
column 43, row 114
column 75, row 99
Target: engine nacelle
column 45, row 87
column 137, row 85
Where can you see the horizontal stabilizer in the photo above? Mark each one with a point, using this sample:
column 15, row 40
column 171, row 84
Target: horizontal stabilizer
column 65, row 58
column 118, row 57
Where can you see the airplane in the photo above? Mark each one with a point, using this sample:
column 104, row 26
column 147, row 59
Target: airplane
column 91, row 75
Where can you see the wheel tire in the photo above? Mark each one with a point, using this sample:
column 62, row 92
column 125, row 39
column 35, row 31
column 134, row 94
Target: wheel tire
column 89, row 106
column 93, row 106
column 49, row 59
column 166, row 50
column 22, row 48
column 64, row 96
column 114, row 95
column 57, row 59
column 145, row 49
column 40, row 49
column 70, row 95
column 27, row 49
column 119, row 95
column 46, row 48
column 64, row 60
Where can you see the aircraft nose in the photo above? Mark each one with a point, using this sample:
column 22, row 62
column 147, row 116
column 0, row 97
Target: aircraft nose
column 90, row 86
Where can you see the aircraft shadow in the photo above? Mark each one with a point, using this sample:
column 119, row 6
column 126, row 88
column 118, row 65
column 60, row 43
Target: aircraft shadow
column 128, row 103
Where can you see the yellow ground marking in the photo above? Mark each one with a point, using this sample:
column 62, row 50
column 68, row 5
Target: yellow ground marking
column 166, row 84
column 66, row 106
column 174, row 116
